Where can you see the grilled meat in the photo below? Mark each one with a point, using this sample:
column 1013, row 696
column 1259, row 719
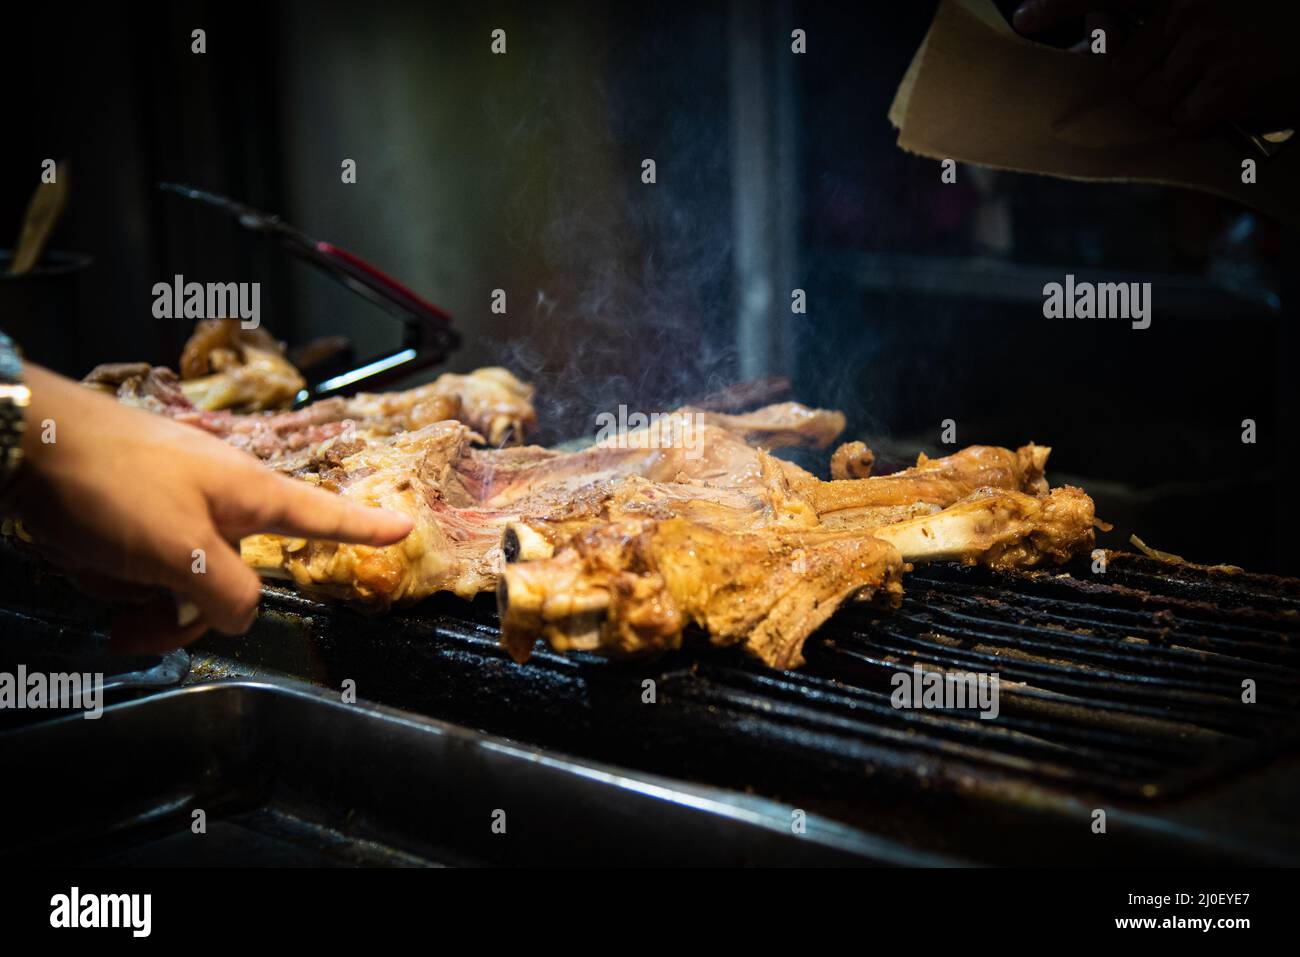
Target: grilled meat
column 620, row 546
column 227, row 371
column 939, row 481
column 490, row 401
column 632, row 586
column 462, row 499
column 781, row 425
column 225, row 366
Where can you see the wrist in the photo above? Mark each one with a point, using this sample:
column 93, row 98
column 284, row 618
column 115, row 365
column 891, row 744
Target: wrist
column 47, row 391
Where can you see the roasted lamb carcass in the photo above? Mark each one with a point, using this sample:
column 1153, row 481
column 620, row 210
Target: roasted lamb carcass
column 620, row 546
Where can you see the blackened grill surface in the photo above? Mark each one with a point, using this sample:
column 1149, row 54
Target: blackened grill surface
column 1131, row 681
column 1121, row 689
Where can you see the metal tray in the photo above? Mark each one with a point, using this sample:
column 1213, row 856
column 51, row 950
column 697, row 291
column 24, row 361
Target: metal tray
column 287, row 774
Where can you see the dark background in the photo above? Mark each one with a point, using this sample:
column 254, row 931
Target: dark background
column 522, row 172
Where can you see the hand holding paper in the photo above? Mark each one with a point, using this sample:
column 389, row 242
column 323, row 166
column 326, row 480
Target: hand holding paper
column 979, row 93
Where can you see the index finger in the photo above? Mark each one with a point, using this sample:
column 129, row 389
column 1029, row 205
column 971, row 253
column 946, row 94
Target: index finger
column 285, row 506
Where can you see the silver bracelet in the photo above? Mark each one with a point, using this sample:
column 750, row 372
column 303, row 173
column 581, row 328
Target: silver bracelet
column 14, row 399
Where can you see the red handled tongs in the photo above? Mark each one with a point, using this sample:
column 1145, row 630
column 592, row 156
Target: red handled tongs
column 428, row 339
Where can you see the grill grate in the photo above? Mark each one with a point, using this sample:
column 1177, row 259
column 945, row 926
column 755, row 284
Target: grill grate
column 1129, row 683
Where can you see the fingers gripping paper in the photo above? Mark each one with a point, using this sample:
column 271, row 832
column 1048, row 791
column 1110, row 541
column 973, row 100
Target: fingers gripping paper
column 979, row 93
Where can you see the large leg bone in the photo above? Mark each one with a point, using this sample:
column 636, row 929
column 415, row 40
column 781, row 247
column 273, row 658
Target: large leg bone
column 999, row 528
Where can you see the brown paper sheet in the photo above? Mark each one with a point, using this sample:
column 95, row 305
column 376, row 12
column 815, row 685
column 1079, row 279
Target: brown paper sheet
column 977, row 92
